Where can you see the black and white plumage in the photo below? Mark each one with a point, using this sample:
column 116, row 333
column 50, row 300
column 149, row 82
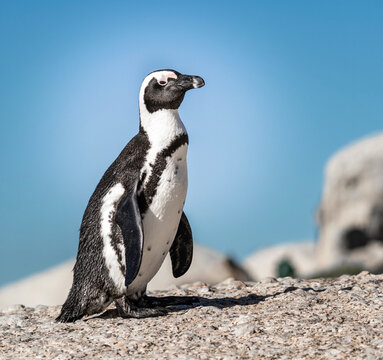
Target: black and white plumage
column 135, row 215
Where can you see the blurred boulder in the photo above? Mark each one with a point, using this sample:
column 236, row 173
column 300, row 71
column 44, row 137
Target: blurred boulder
column 350, row 216
column 208, row 266
column 295, row 260
column 51, row 287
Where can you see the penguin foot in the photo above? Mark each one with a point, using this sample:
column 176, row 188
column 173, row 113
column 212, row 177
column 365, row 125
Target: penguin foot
column 151, row 301
column 129, row 309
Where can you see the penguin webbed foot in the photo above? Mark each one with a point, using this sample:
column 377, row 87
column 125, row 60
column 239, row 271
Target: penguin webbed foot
column 129, row 309
column 150, row 306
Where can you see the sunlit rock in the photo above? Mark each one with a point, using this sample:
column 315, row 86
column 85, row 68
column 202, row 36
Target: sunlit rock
column 350, row 216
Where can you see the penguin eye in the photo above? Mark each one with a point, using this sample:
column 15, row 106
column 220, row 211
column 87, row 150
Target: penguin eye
column 162, row 82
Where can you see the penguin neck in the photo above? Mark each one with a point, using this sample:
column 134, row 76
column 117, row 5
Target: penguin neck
column 161, row 126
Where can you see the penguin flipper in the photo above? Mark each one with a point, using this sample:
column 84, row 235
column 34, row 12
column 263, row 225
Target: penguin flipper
column 128, row 218
column 181, row 251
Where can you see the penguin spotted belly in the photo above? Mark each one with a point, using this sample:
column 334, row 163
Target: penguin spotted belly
column 160, row 221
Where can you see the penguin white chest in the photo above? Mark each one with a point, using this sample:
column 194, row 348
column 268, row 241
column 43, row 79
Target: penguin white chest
column 160, row 221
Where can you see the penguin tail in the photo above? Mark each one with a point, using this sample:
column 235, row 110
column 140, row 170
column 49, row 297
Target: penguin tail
column 67, row 315
column 72, row 310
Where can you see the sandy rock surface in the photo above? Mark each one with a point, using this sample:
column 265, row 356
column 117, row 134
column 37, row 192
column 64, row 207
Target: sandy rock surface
column 273, row 319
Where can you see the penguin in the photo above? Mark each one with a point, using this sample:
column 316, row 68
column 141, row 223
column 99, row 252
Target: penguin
column 135, row 217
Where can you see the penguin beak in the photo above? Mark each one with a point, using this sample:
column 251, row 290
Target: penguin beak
column 187, row 82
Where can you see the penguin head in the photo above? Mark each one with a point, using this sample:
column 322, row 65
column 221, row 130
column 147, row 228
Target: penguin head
column 165, row 89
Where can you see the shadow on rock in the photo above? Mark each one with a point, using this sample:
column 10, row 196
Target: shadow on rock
column 221, row 303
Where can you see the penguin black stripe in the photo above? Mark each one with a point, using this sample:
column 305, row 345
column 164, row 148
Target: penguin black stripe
column 150, row 189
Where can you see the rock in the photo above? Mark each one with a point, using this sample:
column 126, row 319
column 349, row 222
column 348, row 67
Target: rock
column 350, row 216
column 51, row 287
column 264, row 263
column 208, row 266
column 285, row 319
column 12, row 308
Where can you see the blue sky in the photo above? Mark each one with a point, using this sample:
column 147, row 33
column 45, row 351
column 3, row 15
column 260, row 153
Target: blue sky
column 287, row 84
